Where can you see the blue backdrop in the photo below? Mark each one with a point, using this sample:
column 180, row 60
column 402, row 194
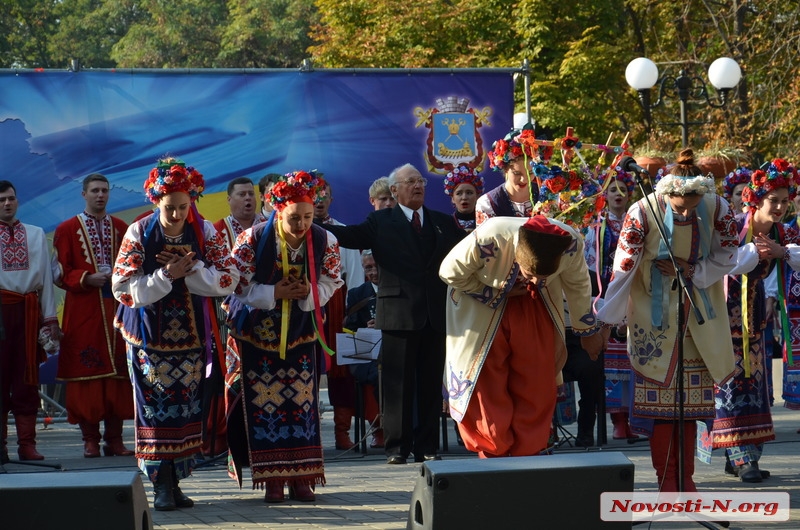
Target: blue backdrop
column 57, row 127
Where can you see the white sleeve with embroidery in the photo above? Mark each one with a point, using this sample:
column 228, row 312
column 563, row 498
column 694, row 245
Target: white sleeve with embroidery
column 251, row 293
column 220, row 277
column 627, row 260
column 723, row 255
column 129, row 284
column 483, row 210
column 330, row 275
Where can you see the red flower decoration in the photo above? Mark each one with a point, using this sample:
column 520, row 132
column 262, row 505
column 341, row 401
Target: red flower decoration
column 556, row 184
column 759, row 178
column 781, row 164
column 748, row 195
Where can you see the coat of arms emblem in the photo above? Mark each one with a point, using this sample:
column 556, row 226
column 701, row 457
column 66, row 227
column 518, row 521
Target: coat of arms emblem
column 453, row 137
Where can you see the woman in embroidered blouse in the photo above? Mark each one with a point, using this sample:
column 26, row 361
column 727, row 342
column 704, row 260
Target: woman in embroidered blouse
column 743, row 421
column 289, row 270
column 601, row 245
column 515, row 197
column 702, row 233
column 464, row 186
column 169, row 264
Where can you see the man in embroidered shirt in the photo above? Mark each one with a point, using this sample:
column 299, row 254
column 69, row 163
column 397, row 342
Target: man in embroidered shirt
column 26, row 294
column 92, row 358
column 242, row 203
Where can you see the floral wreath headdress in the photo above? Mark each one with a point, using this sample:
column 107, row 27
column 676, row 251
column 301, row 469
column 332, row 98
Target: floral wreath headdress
column 171, row 175
column 769, row 177
column 571, row 196
column 617, row 173
column 462, row 175
column 670, row 184
column 740, row 175
column 510, row 148
column 297, row 186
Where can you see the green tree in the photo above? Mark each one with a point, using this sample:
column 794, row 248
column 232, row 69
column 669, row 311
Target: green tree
column 89, row 29
column 183, row 34
column 426, row 33
column 272, row 34
column 26, row 27
column 577, row 54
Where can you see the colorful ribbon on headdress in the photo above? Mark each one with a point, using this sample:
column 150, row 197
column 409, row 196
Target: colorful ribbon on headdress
column 745, row 313
column 785, row 330
column 317, row 320
column 286, row 303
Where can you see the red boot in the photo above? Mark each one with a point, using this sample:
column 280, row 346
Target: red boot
column 661, row 450
column 274, row 492
column 91, row 439
column 342, row 418
column 113, row 438
column 26, row 437
column 689, row 444
column 301, row 491
column 622, row 428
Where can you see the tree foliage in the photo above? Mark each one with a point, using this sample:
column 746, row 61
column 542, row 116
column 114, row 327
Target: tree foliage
column 577, row 51
column 267, row 34
column 421, row 34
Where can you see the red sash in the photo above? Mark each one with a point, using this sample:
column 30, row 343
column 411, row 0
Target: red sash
column 34, row 354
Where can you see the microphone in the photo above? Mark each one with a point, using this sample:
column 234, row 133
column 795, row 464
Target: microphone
column 629, row 164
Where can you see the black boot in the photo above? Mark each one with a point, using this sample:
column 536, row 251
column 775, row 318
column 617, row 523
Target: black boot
column 181, row 500
column 586, row 419
column 164, row 500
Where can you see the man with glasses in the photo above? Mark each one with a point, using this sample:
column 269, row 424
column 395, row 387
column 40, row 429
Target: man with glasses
column 408, row 242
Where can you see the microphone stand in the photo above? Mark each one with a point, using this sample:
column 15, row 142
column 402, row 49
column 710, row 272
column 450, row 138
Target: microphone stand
column 684, row 294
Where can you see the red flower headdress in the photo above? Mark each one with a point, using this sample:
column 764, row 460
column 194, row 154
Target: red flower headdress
column 462, row 175
column 617, row 173
column 511, row 147
column 771, row 176
column 297, row 186
column 171, row 175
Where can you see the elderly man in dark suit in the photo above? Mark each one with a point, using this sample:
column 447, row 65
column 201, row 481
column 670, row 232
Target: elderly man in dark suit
column 408, row 242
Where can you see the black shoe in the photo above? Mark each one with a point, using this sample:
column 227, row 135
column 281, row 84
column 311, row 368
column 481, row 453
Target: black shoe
column 426, row 458
column 181, row 500
column 584, row 441
column 163, row 501
column 396, row 459
column 732, row 470
column 749, row 473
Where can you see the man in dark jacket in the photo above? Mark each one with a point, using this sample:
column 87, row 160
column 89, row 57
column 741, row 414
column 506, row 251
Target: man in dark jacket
column 408, row 242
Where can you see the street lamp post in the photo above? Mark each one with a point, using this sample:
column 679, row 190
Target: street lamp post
column 642, row 75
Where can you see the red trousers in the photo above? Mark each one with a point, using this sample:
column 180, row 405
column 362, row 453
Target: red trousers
column 511, row 408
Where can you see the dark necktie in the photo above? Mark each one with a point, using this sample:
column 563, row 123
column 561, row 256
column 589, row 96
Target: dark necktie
column 415, row 223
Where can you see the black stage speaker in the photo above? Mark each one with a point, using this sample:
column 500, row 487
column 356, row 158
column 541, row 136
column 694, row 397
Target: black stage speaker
column 557, row 491
column 96, row 500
